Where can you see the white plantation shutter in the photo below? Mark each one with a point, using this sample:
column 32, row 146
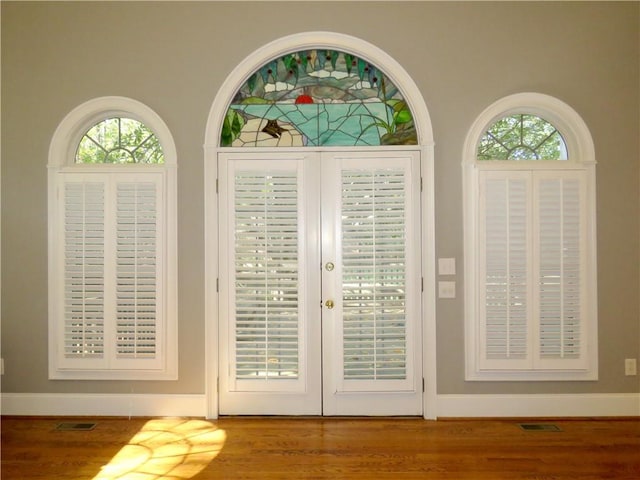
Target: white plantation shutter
column 561, row 232
column 269, row 284
column 266, row 259
column 111, row 233
column 373, row 274
column 371, row 234
column 505, row 261
column 84, row 307
column 532, row 230
column 136, row 271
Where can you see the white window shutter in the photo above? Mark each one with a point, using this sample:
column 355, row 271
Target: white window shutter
column 266, row 274
column 505, row 253
column 111, row 318
column 84, row 270
column 136, row 270
column 373, row 274
column 560, row 277
column 532, row 232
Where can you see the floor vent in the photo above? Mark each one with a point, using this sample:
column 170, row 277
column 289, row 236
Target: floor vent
column 540, row 427
column 77, row 427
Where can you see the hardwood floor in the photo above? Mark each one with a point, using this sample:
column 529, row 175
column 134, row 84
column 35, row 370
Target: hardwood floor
column 319, row 448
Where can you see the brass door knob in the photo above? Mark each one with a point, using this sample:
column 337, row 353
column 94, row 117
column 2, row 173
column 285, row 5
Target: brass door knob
column 329, row 304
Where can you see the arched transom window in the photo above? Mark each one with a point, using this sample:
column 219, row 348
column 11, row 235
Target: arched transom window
column 318, row 98
column 119, row 140
column 522, row 137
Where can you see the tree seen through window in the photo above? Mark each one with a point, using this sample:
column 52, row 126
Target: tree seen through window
column 522, row 137
column 119, row 141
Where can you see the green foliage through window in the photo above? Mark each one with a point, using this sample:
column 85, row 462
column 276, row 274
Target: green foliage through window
column 522, row 137
column 119, row 141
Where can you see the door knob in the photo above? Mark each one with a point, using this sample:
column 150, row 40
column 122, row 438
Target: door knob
column 329, row 266
column 329, row 304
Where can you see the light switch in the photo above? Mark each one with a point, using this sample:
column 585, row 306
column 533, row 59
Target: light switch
column 446, row 289
column 446, row 266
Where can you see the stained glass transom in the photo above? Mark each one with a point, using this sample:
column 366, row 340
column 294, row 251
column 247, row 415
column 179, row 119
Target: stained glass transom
column 119, row 140
column 522, row 137
column 318, row 98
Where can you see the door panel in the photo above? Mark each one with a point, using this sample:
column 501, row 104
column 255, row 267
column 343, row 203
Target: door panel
column 269, row 285
column 305, row 332
column 370, row 224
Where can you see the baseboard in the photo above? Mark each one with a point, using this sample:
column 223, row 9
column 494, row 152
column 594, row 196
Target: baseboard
column 470, row 406
column 128, row 405
column 546, row 405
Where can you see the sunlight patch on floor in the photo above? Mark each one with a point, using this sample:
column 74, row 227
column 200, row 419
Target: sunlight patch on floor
column 170, row 448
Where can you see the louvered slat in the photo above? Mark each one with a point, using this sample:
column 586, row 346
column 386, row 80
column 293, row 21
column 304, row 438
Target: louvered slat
column 136, row 257
column 559, row 274
column 373, row 274
column 266, row 275
column 84, row 269
column 506, row 282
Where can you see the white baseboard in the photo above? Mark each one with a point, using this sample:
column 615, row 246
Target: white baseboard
column 547, row 405
column 127, row 405
column 469, row 406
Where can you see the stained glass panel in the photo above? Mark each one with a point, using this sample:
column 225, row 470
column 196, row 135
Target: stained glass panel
column 318, row 98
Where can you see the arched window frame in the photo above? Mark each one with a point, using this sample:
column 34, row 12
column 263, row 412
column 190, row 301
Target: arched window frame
column 212, row 148
column 580, row 164
column 62, row 168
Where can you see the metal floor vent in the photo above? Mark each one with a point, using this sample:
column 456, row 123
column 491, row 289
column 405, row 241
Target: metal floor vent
column 78, row 427
column 540, row 427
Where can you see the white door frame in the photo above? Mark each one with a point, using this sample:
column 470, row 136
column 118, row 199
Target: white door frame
column 422, row 121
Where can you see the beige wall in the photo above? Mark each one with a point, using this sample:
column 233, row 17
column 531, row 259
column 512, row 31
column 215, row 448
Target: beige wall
column 175, row 56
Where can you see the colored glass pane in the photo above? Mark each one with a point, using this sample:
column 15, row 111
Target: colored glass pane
column 522, row 137
column 318, row 98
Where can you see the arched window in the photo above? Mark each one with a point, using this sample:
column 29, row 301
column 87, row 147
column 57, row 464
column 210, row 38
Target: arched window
column 530, row 282
column 119, row 140
column 112, row 246
column 318, row 97
column 522, row 137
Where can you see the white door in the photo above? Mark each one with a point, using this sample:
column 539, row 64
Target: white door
column 320, row 283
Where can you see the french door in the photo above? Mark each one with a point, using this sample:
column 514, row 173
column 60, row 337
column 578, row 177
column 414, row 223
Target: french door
column 320, row 281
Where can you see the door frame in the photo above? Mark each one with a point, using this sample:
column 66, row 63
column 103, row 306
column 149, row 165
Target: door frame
column 212, row 147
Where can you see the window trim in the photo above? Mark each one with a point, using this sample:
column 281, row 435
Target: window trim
column 61, row 160
column 581, row 156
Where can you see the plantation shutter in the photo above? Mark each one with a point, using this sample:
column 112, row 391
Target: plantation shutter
column 561, row 232
column 505, row 270
column 531, row 235
column 267, row 286
column 373, row 274
column 371, row 233
column 110, row 234
column 136, row 270
column 84, row 270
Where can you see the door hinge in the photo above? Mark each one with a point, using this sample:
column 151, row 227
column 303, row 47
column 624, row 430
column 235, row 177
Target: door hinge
column 423, row 385
column 217, row 191
column 217, row 285
column 422, row 284
column 420, row 183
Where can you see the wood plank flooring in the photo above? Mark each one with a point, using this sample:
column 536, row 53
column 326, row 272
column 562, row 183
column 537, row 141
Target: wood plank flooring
column 319, row 448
